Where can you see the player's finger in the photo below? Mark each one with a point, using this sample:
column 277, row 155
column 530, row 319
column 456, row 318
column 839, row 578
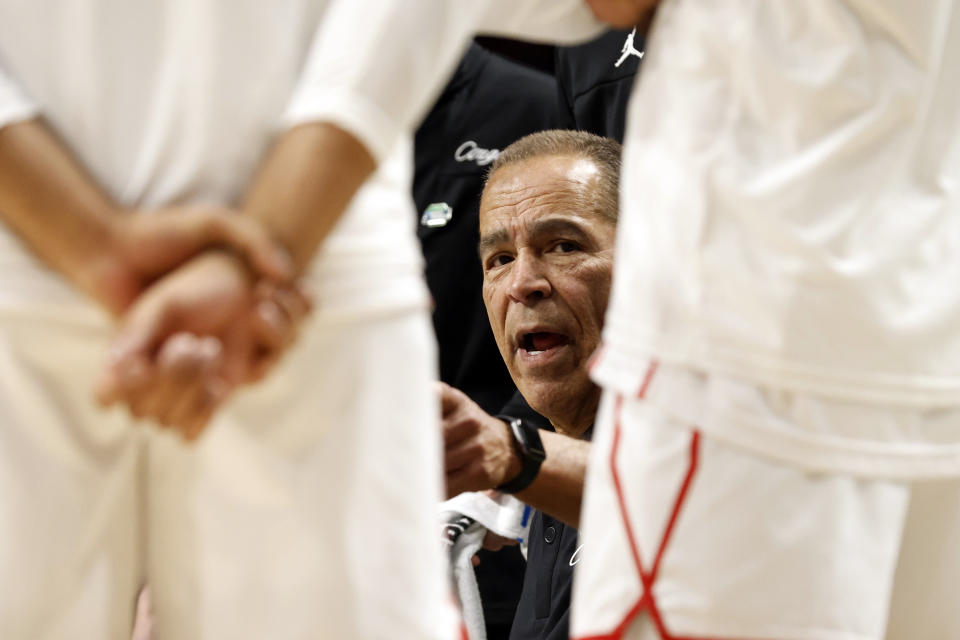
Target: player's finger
column 262, row 362
column 294, row 301
column 275, row 325
column 194, row 408
column 271, row 327
column 173, row 362
column 131, row 352
column 239, row 352
column 205, row 404
column 120, row 380
column 184, row 364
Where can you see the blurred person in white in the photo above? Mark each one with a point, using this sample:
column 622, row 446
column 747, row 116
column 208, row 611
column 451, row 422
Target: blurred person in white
column 777, row 451
column 306, row 510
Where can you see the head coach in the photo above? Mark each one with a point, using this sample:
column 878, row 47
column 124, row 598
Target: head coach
column 547, row 224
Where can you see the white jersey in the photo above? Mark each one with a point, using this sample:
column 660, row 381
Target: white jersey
column 791, row 220
column 176, row 101
column 792, row 194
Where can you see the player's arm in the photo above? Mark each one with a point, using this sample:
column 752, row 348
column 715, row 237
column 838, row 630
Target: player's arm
column 58, row 210
column 69, row 222
column 369, row 75
column 479, row 454
column 372, row 71
column 304, row 185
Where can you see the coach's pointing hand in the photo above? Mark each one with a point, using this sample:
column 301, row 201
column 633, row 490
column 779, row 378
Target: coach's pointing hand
column 478, row 448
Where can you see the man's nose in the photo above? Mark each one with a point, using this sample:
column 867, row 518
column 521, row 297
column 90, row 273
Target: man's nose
column 528, row 279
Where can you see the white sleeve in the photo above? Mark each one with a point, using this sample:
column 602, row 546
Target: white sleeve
column 553, row 21
column 15, row 106
column 376, row 66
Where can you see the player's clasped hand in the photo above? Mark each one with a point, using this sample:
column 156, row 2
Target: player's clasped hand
column 144, row 246
column 219, row 320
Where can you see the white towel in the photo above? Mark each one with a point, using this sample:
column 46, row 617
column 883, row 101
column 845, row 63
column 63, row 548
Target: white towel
column 499, row 512
column 464, row 535
column 467, row 518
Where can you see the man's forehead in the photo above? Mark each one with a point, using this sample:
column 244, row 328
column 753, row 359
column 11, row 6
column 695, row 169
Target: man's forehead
column 530, row 207
column 546, row 185
column 533, row 223
column 556, row 176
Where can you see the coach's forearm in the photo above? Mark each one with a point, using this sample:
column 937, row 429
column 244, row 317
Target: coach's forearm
column 58, row 209
column 558, row 487
column 304, row 185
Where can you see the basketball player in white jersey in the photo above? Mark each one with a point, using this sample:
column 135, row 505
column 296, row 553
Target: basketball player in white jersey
column 778, row 448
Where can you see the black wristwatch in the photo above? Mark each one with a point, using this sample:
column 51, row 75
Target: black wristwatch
column 526, row 439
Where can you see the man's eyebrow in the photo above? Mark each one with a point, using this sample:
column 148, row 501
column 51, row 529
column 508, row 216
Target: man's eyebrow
column 556, row 226
column 491, row 240
column 544, row 227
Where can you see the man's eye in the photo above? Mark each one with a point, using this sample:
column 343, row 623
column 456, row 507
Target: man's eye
column 498, row 260
column 566, row 247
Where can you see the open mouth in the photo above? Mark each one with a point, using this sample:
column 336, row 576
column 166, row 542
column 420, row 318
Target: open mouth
column 539, row 341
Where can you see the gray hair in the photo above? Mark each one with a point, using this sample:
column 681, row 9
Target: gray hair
column 604, row 152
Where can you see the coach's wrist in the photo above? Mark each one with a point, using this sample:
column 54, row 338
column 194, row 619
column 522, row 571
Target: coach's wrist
column 512, row 458
column 528, row 448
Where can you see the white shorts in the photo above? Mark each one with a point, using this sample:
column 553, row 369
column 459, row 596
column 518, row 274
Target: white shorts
column 306, row 511
column 690, row 538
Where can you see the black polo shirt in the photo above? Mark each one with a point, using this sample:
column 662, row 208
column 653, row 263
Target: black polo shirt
column 593, row 90
column 553, row 550
column 544, row 609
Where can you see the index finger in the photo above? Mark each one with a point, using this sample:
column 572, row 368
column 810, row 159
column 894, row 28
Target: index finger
column 121, row 379
column 450, row 399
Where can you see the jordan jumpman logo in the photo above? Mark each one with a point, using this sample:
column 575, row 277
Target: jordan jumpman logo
column 628, row 49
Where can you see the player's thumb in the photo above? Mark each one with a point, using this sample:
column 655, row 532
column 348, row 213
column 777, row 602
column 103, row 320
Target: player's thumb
column 131, row 353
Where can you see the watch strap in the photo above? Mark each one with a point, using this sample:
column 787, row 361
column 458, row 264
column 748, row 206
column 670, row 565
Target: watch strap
column 526, row 440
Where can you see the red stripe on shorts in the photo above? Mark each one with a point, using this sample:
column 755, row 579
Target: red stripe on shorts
column 647, row 601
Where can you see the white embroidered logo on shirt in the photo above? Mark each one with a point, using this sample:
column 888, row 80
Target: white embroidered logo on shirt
column 628, row 49
column 469, row 151
column 575, row 557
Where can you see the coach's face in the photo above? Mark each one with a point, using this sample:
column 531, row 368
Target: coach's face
column 547, row 257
